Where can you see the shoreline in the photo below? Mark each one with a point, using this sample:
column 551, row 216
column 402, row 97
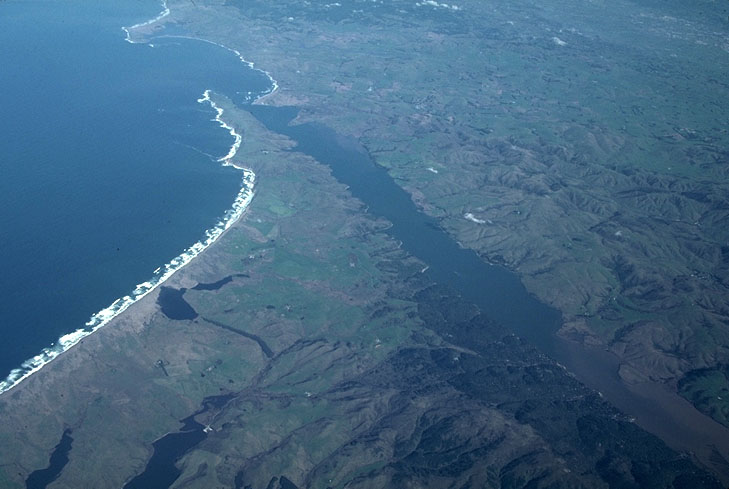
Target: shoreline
column 274, row 84
column 165, row 12
column 101, row 318
column 161, row 274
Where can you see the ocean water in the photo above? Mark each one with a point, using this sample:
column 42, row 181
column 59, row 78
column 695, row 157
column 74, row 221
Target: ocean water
column 108, row 162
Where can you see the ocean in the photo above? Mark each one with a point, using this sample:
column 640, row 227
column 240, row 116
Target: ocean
column 109, row 161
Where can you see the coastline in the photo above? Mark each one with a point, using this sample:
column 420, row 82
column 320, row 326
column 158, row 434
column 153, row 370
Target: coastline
column 117, row 399
column 274, row 84
column 165, row 12
column 161, row 274
column 101, row 318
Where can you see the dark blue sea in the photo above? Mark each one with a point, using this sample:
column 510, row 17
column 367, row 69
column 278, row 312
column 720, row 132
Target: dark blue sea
column 107, row 161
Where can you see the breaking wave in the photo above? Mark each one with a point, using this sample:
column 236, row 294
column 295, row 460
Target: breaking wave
column 165, row 12
column 163, row 273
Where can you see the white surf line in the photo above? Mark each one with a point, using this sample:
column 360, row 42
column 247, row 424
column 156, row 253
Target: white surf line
column 161, row 274
column 161, row 16
column 166, row 12
column 227, row 159
column 249, row 64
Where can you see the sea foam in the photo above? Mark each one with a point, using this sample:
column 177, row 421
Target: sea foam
column 160, row 275
column 163, row 273
column 273, row 87
column 165, row 12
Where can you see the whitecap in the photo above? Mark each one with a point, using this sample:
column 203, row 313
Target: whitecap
column 165, row 12
column 161, row 274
